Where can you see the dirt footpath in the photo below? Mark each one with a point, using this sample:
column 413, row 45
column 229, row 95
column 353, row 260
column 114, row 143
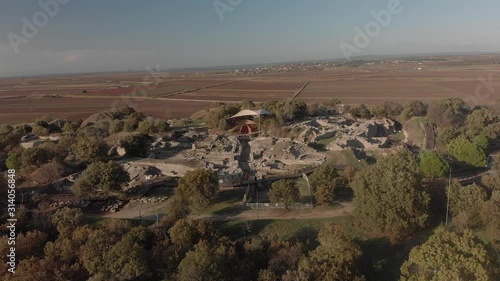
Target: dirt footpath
column 344, row 209
column 149, row 211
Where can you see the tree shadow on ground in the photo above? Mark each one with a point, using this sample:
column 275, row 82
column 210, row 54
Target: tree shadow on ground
column 382, row 260
column 229, row 211
column 307, row 235
column 236, row 230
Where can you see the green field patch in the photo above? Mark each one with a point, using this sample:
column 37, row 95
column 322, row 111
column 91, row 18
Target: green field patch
column 293, row 229
column 227, row 202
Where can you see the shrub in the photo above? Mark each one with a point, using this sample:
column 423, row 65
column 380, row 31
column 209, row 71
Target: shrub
column 106, row 178
column 41, row 131
column 35, row 156
column 14, row 161
column 90, row 149
column 136, row 145
column 216, row 117
column 360, row 111
column 433, row 165
column 413, row 108
column 116, row 126
column 70, row 127
column 122, row 111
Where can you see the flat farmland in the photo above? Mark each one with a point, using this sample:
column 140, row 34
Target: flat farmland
column 254, row 90
column 83, row 84
column 172, row 95
column 236, row 95
column 375, row 87
column 27, row 109
column 374, row 91
column 154, row 89
column 255, row 85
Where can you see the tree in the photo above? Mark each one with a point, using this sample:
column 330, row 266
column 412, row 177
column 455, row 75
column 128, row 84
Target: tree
column 492, row 132
column 90, row 149
column 448, row 112
column 184, row 233
column 14, row 160
column 176, row 209
column 482, row 141
column 360, row 111
column 100, row 242
column 70, row 127
column 216, row 117
column 247, row 104
column 388, row 197
column 286, row 110
column 10, row 137
column 209, row 262
column 433, row 165
column 267, row 275
column 62, row 256
column 116, row 126
column 198, row 187
column 350, row 173
column 491, row 181
column 413, row 108
column 41, row 131
column 477, row 121
column 378, row 111
column 333, row 102
column 67, row 220
column 121, row 111
column 132, row 121
column 126, row 260
column 136, row 145
column 35, row 157
column 284, row 191
column 447, row 255
column 147, row 126
column 466, row 203
column 467, row 152
column 3, row 185
column 162, row 126
column 283, row 257
column 30, row 244
column 392, row 109
column 326, row 182
column 445, row 135
column 106, row 178
column 490, row 217
column 335, row 259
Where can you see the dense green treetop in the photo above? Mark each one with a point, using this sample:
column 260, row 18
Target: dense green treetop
column 106, row 178
column 433, row 165
column 198, row 187
column 284, row 191
column 388, row 197
column 325, row 183
column 467, row 152
column 447, row 255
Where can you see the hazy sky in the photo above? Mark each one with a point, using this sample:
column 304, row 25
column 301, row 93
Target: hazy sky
column 106, row 35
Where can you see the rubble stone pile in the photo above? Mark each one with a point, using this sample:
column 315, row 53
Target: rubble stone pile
column 360, row 134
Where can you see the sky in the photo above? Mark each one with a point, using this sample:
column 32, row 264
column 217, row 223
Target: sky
column 115, row 35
